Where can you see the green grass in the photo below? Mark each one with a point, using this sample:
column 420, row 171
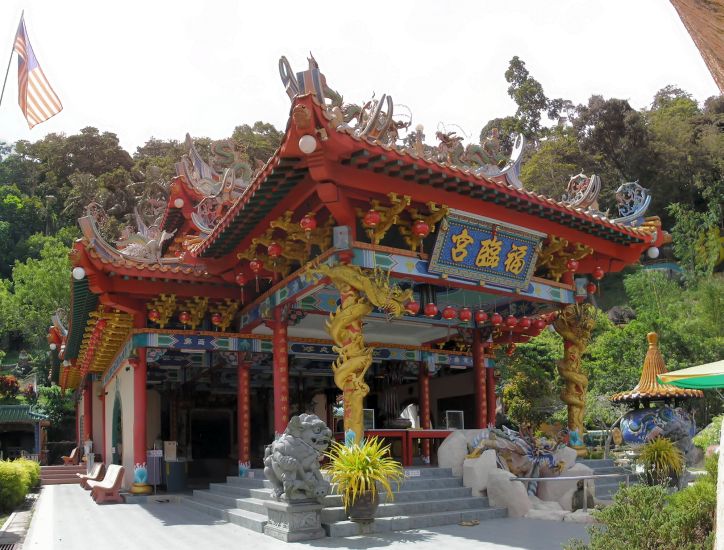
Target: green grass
column 3, row 518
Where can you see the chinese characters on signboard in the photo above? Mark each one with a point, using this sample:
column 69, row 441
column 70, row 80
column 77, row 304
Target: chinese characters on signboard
column 474, row 249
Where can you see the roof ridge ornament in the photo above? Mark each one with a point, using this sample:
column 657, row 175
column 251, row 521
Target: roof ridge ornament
column 633, row 200
column 582, row 192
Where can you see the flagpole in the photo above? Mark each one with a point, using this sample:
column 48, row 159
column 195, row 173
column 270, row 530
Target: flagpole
column 10, row 59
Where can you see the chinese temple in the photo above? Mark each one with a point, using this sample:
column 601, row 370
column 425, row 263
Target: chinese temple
column 357, row 272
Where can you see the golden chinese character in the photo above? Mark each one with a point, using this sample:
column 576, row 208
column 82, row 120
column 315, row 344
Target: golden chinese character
column 489, row 254
column 515, row 260
column 462, row 240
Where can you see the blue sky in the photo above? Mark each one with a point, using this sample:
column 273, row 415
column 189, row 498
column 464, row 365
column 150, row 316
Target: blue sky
column 162, row 68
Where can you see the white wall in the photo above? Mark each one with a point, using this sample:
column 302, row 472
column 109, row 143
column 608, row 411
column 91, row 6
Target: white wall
column 123, row 380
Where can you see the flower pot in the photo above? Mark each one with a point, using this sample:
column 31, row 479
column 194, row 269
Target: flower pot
column 364, row 508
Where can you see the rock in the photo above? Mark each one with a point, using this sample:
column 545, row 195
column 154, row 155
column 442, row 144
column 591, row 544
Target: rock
column 567, row 455
column 579, row 516
column 695, row 456
column 452, row 452
column 554, row 490
column 566, row 500
column 504, row 493
column 552, row 515
column 476, row 470
column 539, row 504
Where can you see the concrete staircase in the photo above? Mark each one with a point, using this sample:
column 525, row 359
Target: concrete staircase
column 57, row 475
column 607, row 487
column 429, row 497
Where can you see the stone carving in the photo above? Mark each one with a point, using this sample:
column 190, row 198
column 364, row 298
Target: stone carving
column 291, row 463
column 582, row 192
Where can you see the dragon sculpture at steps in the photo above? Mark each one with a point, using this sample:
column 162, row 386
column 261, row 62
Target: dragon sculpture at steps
column 360, row 292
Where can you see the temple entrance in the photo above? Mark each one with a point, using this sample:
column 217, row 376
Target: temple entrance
column 117, row 431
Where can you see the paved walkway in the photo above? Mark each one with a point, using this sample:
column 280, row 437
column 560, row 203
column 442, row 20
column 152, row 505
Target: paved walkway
column 66, row 517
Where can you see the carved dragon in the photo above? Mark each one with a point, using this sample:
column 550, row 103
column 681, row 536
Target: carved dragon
column 359, row 294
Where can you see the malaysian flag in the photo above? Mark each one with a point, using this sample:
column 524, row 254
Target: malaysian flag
column 36, row 97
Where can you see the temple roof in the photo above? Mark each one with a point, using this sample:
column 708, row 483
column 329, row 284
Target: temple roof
column 20, row 414
column 649, row 387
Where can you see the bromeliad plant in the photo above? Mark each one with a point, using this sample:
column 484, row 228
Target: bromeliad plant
column 662, row 461
column 357, row 469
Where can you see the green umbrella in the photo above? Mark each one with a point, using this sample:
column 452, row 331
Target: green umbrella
column 702, row 377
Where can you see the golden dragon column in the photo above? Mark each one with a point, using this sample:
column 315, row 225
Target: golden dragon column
column 575, row 324
column 359, row 293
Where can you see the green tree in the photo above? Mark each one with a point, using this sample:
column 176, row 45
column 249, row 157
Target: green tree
column 528, row 95
column 259, row 141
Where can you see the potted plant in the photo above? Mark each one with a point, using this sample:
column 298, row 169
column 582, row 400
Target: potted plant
column 358, row 472
column 662, row 462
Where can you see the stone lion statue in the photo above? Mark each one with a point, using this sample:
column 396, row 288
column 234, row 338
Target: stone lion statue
column 291, row 462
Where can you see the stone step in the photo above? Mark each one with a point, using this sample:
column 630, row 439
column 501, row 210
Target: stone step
column 81, row 469
column 611, row 470
column 416, row 483
column 427, row 471
column 74, row 480
column 251, row 504
column 596, row 462
column 248, row 482
column 243, row 518
column 417, row 521
column 331, row 515
column 421, row 495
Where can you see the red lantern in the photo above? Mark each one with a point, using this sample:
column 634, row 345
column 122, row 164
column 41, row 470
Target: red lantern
column 420, row 228
column 449, row 313
column 256, row 265
column 598, row 273
column 572, row 265
column 539, row 324
column 241, row 281
column 101, row 324
column 413, row 307
column 371, row 218
column 184, row 317
column 524, row 323
column 308, row 223
column 216, row 319
column 497, row 319
column 430, row 309
column 154, row 315
column 591, row 288
column 465, row 315
column 510, row 321
column 274, row 250
column 510, row 350
column 480, row 316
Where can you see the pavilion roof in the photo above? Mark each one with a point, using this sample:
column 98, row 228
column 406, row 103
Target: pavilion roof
column 649, row 387
column 20, row 414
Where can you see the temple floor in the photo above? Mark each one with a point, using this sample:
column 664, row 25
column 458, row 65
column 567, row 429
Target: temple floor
column 66, row 517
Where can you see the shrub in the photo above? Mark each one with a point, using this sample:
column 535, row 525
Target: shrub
column 14, row 485
column 692, row 512
column 711, row 464
column 709, row 435
column 33, row 470
column 662, row 460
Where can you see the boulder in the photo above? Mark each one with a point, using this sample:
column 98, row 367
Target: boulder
column 452, row 452
column 539, row 504
column 476, row 470
column 579, row 516
column 554, row 490
column 504, row 493
column 567, row 455
column 551, row 515
column 566, row 500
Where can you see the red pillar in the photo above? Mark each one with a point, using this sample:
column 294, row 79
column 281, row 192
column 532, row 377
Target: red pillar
column 424, row 380
column 490, row 383
column 139, row 407
column 102, row 398
column 481, row 398
column 88, row 409
column 281, row 372
column 242, row 414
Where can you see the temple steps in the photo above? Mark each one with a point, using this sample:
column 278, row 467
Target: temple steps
column 606, row 488
column 427, row 497
column 61, row 475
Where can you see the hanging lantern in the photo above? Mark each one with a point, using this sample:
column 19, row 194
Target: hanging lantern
column 308, row 224
column 256, row 265
column 216, row 319
column 496, row 319
column 510, row 350
column 101, row 324
column 539, row 324
column 511, row 321
column 421, row 229
column 184, row 317
column 371, row 219
column 524, row 322
column 591, row 288
column 241, row 281
column 153, row 315
column 274, row 250
column 430, row 309
column 449, row 313
column 465, row 315
column 480, row 316
column 598, row 273
column 572, row 265
column 412, row 307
